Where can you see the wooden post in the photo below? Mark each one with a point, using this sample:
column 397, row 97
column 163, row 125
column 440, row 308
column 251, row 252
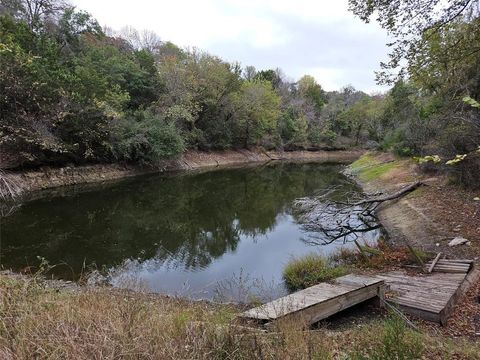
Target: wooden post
column 434, row 262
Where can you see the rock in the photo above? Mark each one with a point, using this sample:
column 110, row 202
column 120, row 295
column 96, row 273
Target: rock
column 437, row 244
column 371, row 145
column 458, row 241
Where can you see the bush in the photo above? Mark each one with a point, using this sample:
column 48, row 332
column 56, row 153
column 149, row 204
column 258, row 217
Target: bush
column 147, row 139
column 319, row 137
column 309, row 270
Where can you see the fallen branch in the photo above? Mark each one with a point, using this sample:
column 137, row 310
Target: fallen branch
column 334, row 220
column 398, row 194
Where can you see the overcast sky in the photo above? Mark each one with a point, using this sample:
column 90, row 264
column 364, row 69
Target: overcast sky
column 316, row 37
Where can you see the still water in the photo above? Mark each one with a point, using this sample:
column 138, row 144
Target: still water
column 221, row 233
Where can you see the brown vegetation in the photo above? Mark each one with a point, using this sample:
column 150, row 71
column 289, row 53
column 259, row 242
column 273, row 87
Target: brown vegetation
column 102, row 323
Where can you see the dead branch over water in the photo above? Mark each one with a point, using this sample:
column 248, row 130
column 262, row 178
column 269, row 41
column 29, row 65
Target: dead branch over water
column 9, row 188
column 327, row 221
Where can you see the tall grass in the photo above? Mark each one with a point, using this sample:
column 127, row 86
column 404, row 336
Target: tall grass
column 37, row 322
column 397, row 343
column 309, row 270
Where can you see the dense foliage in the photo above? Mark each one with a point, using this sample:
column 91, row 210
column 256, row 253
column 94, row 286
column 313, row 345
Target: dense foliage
column 73, row 93
column 435, row 63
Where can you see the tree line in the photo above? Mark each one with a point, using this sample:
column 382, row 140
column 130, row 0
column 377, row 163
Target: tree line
column 72, row 92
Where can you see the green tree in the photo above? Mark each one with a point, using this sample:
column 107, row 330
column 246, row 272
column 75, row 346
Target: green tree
column 147, row 138
column 255, row 112
column 411, row 24
column 293, row 128
column 310, row 89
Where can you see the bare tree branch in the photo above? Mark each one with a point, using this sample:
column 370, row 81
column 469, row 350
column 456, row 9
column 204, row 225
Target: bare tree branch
column 329, row 221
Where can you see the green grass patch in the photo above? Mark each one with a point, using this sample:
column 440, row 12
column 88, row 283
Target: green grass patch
column 375, row 171
column 364, row 161
column 309, row 270
column 368, row 167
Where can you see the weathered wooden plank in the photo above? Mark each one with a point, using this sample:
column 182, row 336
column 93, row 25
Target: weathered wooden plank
column 470, row 279
column 445, row 266
column 421, row 313
column 320, row 301
column 297, row 301
column 423, row 277
column 451, row 262
column 432, row 265
column 356, row 280
column 449, row 270
column 444, row 286
column 327, row 308
column 420, row 303
column 429, row 296
column 463, row 265
column 464, row 261
column 432, row 279
column 412, row 292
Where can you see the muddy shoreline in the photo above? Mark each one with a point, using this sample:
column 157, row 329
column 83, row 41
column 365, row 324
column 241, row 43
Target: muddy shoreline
column 48, row 177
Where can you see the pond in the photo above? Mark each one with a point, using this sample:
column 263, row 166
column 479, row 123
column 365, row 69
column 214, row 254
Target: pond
column 202, row 235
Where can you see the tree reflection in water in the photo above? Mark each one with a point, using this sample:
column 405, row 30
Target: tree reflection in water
column 177, row 223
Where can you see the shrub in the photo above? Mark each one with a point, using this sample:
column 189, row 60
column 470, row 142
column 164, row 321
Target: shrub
column 148, row 139
column 318, row 136
column 393, row 140
column 309, row 270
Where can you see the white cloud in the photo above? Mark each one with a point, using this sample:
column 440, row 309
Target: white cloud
column 302, row 36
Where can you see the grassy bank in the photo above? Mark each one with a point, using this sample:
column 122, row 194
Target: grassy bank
column 102, row 323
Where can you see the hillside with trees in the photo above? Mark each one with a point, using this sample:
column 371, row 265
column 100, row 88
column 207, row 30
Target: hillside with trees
column 74, row 93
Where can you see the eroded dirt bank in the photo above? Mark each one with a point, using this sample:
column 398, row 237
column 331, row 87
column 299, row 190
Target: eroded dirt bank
column 428, row 218
column 47, row 177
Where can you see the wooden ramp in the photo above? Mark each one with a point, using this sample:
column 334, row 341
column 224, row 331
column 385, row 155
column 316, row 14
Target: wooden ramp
column 429, row 296
column 320, row 301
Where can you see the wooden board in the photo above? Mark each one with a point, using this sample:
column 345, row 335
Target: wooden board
column 429, row 296
column 450, row 266
column 320, row 301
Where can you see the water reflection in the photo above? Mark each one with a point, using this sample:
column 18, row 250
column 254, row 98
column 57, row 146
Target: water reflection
column 175, row 233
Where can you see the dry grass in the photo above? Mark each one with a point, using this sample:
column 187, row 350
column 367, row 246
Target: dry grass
column 381, row 256
column 102, row 323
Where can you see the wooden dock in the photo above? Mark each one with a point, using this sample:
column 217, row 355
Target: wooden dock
column 320, row 301
column 430, row 296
